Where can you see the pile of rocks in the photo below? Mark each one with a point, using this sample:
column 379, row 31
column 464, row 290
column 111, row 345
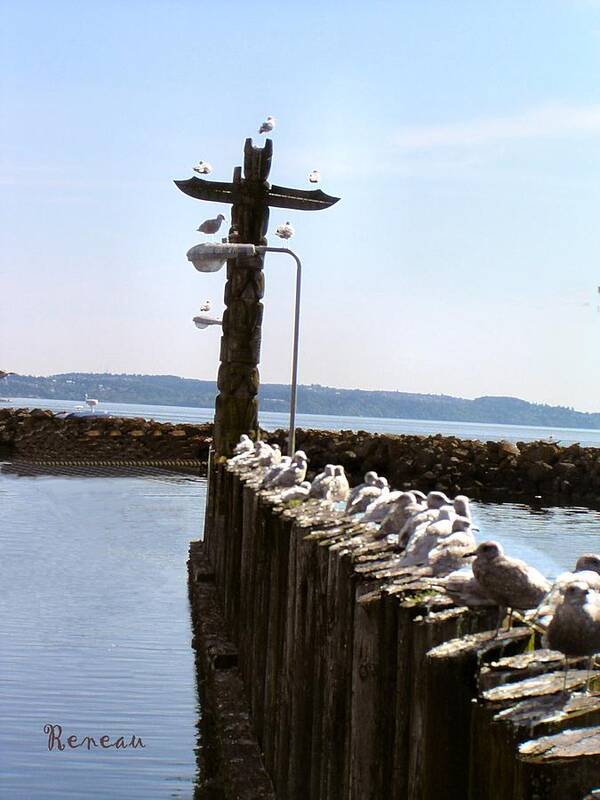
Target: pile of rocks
column 483, row 470
column 38, row 434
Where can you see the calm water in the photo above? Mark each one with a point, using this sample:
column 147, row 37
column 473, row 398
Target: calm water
column 272, row 420
column 96, row 634
column 95, row 624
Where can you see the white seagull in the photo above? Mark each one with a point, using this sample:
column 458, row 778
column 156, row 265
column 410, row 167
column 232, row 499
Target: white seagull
column 91, row 402
column 245, row 445
column 295, row 473
column 267, row 125
column 296, row 492
column 314, row 176
column 203, row 168
column 285, row 231
column 368, row 492
column 206, row 307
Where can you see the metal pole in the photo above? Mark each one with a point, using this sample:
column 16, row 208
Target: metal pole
column 294, row 387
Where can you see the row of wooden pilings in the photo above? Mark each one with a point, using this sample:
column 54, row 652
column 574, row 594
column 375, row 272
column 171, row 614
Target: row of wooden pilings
column 367, row 685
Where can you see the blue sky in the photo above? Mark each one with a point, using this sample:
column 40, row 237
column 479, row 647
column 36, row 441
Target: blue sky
column 463, row 139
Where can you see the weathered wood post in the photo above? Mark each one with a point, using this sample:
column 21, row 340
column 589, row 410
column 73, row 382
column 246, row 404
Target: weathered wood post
column 236, row 408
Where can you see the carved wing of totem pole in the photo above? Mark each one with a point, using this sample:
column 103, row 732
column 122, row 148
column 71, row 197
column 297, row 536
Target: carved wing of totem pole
column 236, row 409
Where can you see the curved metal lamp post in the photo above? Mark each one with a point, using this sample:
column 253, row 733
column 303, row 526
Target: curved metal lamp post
column 211, row 257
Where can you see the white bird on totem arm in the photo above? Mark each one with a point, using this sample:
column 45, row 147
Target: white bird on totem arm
column 203, row 168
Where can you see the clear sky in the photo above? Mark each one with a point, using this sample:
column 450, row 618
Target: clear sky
column 463, row 138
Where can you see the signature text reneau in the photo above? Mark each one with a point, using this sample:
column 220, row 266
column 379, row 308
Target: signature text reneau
column 56, row 740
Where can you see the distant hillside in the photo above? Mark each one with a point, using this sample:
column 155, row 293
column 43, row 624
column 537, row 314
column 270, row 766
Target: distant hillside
column 169, row 390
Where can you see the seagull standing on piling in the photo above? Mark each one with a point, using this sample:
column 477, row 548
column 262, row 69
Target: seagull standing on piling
column 295, row 473
column 510, row 582
column 321, row 482
column 383, row 505
column 203, row 168
column 587, row 570
column 369, row 480
column 275, row 470
column 299, row 492
column 575, row 627
column 435, row 502
column 361, row 497
column 245, row 444
column 339, row 486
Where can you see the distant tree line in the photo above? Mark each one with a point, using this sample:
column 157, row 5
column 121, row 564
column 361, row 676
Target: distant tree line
column 170, row 390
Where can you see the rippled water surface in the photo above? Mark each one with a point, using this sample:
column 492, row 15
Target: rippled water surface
column 96, row 634
column 550, row 539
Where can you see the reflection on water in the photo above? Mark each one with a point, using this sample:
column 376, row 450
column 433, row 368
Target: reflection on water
column 550, row 539
column 96, row 634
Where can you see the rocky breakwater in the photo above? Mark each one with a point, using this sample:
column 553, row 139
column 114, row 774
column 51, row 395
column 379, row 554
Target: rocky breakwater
column 41, row 436
column 493, row 471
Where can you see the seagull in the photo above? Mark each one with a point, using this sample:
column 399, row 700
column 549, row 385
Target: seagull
column 211, row 225
column 314, row 176
column 274, row 471
column 510, row 582
column 321, row 482
column 295, row 473
column 449, row 554
column 206, row 307
column 300, row 492
column 587, row 570
column 339, row 486
column 245, row 445
column 435, row 502
column 203, row 168
column 285, row 231
column 369, row 480
column 379, row 509
column 244, row 458
column 429, row 536
column 370, row 490
column 267, row 125
column 575, row 627
column 91, row 402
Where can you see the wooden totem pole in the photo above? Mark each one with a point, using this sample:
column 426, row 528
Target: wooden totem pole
column 236, row 409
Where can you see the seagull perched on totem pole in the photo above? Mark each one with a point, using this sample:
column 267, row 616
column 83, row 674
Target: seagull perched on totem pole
column 314, row 176
column 267, row 125
column 205, row 306
column 203, row 168
column 211, row 225
column 285, row 231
